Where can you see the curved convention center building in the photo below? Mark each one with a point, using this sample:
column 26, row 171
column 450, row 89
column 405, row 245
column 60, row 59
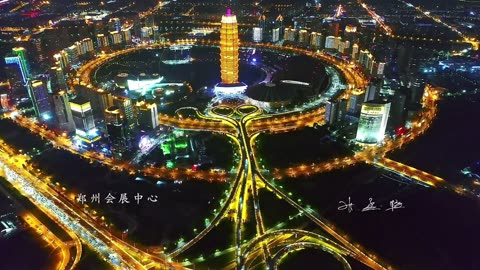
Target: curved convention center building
column 298, row 79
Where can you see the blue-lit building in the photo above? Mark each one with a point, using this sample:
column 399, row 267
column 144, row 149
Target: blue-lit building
column 18, row 57
column 37, row 90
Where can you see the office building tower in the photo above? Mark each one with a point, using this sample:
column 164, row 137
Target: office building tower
column 61, row 60
column 341, row 47
column 82, row 115
column 336, row 42
column 331, row 112
column 102, row 41
column 71, row 54
column 63, row 112
column 303, row 36
column 330, row 42
column 355, row 49
column 114, row 25
column 156, row 33
column 257, row 34
column 372, row 92
column 417, row 90
column 41, row 104
column 147, row 115
column 115, row 38
column 55, row 80
column 275, row 35
column 380, row 69
column 373, row 122
column 316, row 40
column 18, row 57
column 290, row 34
column 356, row 99
column 126, row 108
column 127, row 36
column 116, row 132
column 397, row 110
column 342, row 110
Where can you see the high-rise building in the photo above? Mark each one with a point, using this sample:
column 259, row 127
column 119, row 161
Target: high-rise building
column 41, row 104
column 362, row 57
column 127, row 36
column 83, row 118
column 114, row 24
column 275, row 34
column 257, row 34
column 404, row 58
column 156, row 34
column 372, row 92
column 342, row 110
column 303, row 36
column 316, row 40
column 102, row 41
column 341, row 47
column 290, row 34
column 115, row 38
column 355, row 52
column 336, row 42
column 71, row 54
column 56, row 80
column 331, row 112
column 417, row 90
column 63, row 112
column 397, row 110
column 229, row 48
column 330, row 42
column 334, row 28
column 126, row 108
column 380, row 69
column 147, row 115
column 61, row 60
column 19, row 57
column 117, row 135
column 356, row 99
column 373, row 122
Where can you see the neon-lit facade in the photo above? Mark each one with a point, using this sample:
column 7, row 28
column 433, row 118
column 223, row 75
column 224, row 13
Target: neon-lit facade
column 373, row 122
column 229, row 48
column 19, row 57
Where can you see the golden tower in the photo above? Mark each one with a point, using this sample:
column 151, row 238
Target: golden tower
column 229, row 49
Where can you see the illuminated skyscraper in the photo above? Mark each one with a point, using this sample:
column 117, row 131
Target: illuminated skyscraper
column 373, row 122
column 19, row 58
column 84, row 123
column 229, row 48
column 147, row 115
column 126, row 108
column 116, row 130
column 38, row 93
